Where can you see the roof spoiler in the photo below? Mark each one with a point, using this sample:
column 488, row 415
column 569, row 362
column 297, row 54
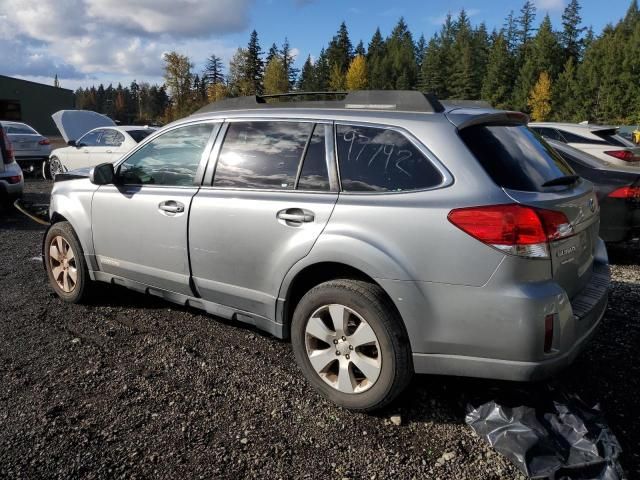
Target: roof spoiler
column 469, row 118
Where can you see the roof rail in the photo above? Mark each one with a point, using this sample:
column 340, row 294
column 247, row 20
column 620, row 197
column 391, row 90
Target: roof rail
column 398, row 100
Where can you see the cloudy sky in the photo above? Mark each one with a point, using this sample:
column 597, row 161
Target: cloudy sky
column 93, row 41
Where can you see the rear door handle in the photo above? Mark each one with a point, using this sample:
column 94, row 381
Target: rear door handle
column 171, row 206
column 296, row 215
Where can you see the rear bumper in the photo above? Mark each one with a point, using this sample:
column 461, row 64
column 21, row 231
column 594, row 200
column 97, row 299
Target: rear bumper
column 498, row 330
column 510, row 369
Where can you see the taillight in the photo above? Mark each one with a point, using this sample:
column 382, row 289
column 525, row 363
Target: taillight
column 629, row 192
column 8, row 148
column 44, row 141
column 14, row 179
column 512, row 228
column 625, row 155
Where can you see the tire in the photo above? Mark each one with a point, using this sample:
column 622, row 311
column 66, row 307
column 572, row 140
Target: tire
column 341, row 380
column 51, row 167
column 61, row 269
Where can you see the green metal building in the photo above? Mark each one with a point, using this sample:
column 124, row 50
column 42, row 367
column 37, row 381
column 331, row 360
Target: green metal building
column 33, row 103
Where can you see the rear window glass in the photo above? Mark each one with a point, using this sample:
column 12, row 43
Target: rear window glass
column 139, row 135
column 573, row 138
column 20, row 129
column 612, row 138
column 378, row 160
column 515, row 157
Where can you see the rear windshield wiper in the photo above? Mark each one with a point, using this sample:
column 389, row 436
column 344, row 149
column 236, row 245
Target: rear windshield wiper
column 564, row 180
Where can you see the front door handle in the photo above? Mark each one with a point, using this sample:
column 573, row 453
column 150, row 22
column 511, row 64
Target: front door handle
column 296, row 215
column 171, row 206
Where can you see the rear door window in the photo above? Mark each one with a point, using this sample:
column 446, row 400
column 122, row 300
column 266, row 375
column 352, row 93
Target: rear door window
column 515, row 157
column 261, row 155
column 374, row 159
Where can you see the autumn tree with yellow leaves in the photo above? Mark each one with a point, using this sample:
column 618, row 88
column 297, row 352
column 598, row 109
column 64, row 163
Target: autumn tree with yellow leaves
column 357, row 75
column 540, row 98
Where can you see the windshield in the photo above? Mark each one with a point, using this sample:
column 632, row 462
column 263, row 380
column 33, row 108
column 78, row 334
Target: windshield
column 139, row 135
column 515, row 157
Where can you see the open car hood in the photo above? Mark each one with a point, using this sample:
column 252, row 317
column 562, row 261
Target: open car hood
column 75, row 123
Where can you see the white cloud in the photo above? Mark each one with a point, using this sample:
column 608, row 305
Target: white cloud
column 549, row 4
column 95, row 38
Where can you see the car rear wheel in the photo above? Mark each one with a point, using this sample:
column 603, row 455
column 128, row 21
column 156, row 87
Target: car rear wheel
column 65, row 263
column 350, row 345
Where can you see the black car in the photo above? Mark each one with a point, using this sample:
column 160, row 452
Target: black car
column 618, row 191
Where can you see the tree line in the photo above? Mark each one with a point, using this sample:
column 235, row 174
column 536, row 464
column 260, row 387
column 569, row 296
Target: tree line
column 567, row 73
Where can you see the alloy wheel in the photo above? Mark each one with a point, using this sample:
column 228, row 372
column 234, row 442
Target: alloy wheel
column 62, row 263
column 343, row 349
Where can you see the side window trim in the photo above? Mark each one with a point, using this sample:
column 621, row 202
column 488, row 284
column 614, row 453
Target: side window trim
column 447, row 178
column 303, row 156
column 197, row 180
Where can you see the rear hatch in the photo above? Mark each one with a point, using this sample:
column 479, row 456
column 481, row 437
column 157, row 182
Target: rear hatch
column 531, row 173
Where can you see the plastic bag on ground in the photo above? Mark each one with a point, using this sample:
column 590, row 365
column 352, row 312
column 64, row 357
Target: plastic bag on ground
column 555, row 436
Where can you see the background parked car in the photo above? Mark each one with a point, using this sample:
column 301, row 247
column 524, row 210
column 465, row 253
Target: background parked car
column 600, row 141
column 11, row 178
column 92, row 138
column 618, row 191
column 29, row 147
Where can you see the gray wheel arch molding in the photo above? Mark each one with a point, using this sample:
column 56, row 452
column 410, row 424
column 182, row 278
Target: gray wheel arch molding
column 346, row 250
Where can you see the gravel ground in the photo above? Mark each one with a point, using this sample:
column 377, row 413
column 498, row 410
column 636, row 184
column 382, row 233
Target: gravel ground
column 131, row 386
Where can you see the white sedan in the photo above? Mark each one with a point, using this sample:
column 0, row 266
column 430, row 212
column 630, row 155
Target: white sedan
column 92, row 139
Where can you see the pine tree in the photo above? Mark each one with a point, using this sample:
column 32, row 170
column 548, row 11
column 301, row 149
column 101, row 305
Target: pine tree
column 214, row 70
column 566, row 96
column 421, row 47
column 254, row 65
column 340, row 49
column 572, row 31
column 511, row 33
column 400, row 58
column 525, row 24
column 288, row 62
column 375, row 62
column 56, row 82
column 432, row 73
column 543, row 54
column 307, row 80
column 356, row 78
column 275, row 77
column 540, row 98
column 272, row 53
column 463, row 83
column 498, row 82
column 360, row 49
column 322, row 72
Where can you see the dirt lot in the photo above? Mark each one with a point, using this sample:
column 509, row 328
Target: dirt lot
column 131, row 386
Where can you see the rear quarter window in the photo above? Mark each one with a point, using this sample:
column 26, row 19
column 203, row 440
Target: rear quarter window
column 515, row 157
column 375, row 159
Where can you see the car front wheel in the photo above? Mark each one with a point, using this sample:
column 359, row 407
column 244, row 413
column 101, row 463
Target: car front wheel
column 51, row 168
column 350, row 345
column 65, row 263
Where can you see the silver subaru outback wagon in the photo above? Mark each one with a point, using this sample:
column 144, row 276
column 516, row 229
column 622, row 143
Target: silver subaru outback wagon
column 384, row 234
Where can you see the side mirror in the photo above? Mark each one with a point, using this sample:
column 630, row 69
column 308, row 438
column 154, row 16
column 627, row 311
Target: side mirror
column 102, row 174
column 71, row 143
